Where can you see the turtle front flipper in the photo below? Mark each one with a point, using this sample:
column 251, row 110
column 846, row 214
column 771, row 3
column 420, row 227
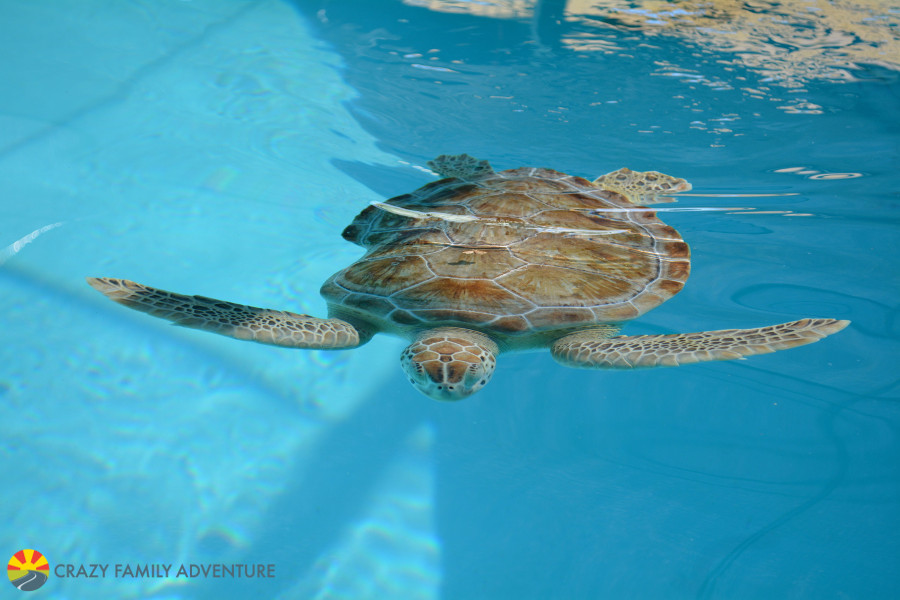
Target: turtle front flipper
column 461, row 166
column 591, row 350
column 648, row 187
column 275, row 327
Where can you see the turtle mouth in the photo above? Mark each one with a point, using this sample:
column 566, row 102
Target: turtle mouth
column 446, row 391
column 447, row 381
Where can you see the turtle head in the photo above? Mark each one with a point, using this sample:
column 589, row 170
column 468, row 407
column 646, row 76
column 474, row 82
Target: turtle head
column 449, row 363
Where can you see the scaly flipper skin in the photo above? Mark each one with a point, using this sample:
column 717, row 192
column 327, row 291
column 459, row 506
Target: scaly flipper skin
column 591, row 350
column 275, row 327
column 643, row 188
column 461, row 166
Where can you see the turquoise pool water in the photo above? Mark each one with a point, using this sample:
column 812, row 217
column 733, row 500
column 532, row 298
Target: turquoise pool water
column 219, row 148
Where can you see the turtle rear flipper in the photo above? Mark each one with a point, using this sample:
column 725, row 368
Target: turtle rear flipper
column 591, row 350
column 647, row 187
column 461, row 166
column 275, row 327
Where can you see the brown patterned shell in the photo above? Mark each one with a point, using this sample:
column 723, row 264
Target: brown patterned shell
column 520, row 251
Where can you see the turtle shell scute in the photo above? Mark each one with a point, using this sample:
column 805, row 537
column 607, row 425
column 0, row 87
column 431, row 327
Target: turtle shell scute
column 512, row 252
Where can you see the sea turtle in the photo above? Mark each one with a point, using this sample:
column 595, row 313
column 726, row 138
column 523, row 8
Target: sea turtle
column 480, row 263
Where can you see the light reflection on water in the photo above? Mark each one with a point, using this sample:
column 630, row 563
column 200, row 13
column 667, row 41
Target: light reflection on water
column 788, row 44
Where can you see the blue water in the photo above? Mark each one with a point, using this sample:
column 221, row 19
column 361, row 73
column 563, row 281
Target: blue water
column 219, row 148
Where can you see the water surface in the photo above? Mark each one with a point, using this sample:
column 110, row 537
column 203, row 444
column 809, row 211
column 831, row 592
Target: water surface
column 220, row 149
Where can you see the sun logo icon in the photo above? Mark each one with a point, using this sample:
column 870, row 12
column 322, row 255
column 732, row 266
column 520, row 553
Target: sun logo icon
column 28, row 570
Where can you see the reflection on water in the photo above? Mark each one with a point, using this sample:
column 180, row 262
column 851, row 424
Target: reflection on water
column 788, row 44
column 16, row 247
column 814, row 174
column 502, row 9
